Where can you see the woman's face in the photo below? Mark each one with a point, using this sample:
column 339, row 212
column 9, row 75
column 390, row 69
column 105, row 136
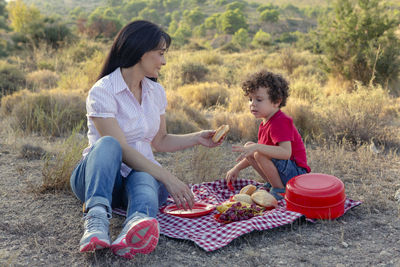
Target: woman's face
column 152, row 61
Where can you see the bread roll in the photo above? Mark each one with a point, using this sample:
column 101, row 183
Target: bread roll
column 220, row 132
column 264, row 199
column 243, row 198
column 248, row 189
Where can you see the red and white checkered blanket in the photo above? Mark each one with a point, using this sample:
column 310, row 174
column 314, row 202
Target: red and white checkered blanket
column 211, row 235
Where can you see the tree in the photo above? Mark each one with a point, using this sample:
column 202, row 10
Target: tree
column 261, row 39
column 359, row 42
column 235, row 5
column 3, row 15
column 269, row 15
column 22, row 16
column 193, row 17
column 231, row 21
column 241, row 37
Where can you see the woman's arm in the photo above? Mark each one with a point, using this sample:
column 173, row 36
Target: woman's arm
column 164, row 142
column 179, row 191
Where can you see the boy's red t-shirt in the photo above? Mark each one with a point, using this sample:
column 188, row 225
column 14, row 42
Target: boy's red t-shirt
column 280, row 128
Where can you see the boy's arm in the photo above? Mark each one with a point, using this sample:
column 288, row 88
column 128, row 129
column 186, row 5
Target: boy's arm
column 244, row 163
column 282, row 151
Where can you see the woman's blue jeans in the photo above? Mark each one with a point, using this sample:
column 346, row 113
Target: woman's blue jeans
column 97, row 180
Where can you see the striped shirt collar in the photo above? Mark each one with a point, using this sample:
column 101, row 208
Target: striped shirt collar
column 119, row 84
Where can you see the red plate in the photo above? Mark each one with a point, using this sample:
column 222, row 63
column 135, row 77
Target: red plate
column 198, row 209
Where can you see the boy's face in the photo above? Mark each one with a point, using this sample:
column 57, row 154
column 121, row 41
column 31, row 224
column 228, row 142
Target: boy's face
column 261, row 106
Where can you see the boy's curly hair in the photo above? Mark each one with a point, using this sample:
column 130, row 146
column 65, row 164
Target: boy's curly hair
column 277, row 87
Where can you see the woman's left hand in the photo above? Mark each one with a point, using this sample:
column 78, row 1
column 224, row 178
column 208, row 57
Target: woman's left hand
column 205, row 138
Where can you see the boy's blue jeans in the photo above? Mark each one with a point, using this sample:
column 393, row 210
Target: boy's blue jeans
column 97, row 180
column 287, row 169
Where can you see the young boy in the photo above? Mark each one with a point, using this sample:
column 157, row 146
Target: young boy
column 279, row 154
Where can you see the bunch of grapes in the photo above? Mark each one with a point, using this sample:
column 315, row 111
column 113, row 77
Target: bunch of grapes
column 237, row 212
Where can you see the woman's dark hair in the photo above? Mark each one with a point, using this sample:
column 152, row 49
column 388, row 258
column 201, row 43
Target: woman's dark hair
column 131, row 42
column 277, row 87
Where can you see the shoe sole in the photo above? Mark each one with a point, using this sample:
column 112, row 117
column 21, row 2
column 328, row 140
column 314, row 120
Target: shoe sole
column 94, row 244
column 141, row 238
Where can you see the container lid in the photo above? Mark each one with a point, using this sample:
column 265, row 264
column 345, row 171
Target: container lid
column 315, row 190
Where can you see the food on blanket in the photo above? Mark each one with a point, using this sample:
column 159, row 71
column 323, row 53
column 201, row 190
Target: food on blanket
column 242, row 198
column 238, row 212
column 248, row 189
column 264, row 199
column 220, row 132
column 227, row 204
column 230, row 186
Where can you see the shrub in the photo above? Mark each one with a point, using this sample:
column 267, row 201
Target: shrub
column 82, row 77
column 306, row 121
column 82, row 51
column 50, row 113
column 269, row 15
column 310, row 70
column 237, row 101
column 261, row 39
column 306, row 88
column 241, row 37
column 42, row 79
column 193, row 72
column 204, row 95
column 288, row 60
column 179, row 123
column 210, row 58
column 359, row 41
column 8, row 102
column 355, row 116
column 230, row 47
column 57, row 169
column 11, row 78
column 177, row 105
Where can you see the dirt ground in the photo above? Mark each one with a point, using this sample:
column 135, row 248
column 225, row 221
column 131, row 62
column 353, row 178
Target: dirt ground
column 44, row 230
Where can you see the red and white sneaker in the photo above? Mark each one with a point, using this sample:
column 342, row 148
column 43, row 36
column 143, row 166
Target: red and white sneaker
column 139, row 235
column 96, row 234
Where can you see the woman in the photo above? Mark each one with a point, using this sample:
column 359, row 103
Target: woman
column 126, row 118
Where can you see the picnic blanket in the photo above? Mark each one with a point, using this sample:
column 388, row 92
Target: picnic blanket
column 211, row 235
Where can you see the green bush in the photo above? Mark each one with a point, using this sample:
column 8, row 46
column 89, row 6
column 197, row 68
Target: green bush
column 11, row 78
column 261, row 39
column 359, row 41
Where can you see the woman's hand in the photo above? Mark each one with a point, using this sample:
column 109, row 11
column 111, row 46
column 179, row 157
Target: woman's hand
column 180, row 192
column 205, row 138
column 246, row 151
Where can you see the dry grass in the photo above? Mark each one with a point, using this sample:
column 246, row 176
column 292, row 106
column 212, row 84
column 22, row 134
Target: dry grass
column 204, row 95
column 58, row 166
column 42, row 79
column 49, row 113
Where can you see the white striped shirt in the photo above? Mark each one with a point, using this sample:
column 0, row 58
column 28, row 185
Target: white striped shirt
column 110, row 97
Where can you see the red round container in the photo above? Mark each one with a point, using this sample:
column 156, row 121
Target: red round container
column 316, row 195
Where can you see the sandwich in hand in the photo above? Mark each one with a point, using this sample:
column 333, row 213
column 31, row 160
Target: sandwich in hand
column 220, row 133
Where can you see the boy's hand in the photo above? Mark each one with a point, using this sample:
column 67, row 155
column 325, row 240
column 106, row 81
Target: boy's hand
column 231, row 175
column 246, row 151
